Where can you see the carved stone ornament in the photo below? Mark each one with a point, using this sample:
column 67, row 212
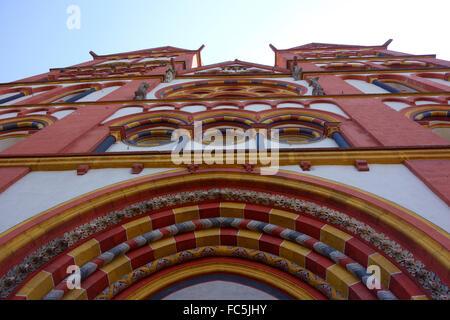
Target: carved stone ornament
column 317, row 88
column 297, row 73
column 141, row 92
column 427, row 279
column 170, row 74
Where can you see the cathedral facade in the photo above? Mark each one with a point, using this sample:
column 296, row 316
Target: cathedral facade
column 148, row 175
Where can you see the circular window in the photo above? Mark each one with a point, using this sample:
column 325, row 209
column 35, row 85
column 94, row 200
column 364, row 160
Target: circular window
column 150, row 138
column 296, row 135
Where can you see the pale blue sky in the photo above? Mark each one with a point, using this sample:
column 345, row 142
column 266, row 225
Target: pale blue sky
column 35, row 37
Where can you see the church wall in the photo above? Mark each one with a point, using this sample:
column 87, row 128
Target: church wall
column 393, row 192
column 60, row 186
column 395, row 183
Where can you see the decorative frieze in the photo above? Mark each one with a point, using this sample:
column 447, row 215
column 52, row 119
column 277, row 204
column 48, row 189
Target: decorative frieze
column 428, row 279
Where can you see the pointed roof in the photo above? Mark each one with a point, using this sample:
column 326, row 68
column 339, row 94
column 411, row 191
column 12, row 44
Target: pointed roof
column 319, row 45
column 147, row 51
column 228, row 67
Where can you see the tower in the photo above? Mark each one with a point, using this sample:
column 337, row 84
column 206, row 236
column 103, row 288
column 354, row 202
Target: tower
column 146, row 175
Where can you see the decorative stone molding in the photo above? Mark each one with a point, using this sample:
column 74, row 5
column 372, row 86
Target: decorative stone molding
column 331, row 127
column 428, row 279
column 305, row 165
column 192, row 168
column 249, row 167
column 137, row 168
column 361, row 165
column 145, row 239
column 220, row 251
column 82, row 169
column 118, row 132
column 141, row 92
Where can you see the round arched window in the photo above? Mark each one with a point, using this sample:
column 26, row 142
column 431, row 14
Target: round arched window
column 150, row 137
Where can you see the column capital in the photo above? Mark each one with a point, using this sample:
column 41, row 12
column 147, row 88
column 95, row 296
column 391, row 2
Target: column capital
column 332, row 127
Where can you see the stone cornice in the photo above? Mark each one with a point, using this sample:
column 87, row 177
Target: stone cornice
column 162, row 159
column 134, row 102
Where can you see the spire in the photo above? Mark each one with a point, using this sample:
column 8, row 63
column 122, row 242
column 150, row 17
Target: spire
column 387, row 43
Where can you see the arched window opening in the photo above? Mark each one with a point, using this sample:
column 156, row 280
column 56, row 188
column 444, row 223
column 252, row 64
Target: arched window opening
column 230, row 89
column 147, row 131
column 15, row 130
column 344, row 66
column 224, row 136
column 73, row 96
column 401, row 87
column 437, row 120
column 441, row 128
column 11, row 96
column 406, row 64
column 366, row 87
column 296, row 135
column 150, row 137
column 440, row 78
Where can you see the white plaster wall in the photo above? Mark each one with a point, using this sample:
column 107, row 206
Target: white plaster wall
column 206, row 71
column 396, row 105
column 325, row 143
column 37, row 113
column 259, row 69
column 219, row 290
column 61, row 114
column 34, row 94
column 303, row 83
column 115, row 61
column 224, row 107
column 442, row 132
column 21, row 99
column 392, row 182
column 257, row 107
column 193, row 108
column 7, row 95
column 123, row 147
column 194, row 61
column 441, row 81
column 365, row 86
column 330, row 108
column 124, row 112
column 231, row 71
column 46, row 189
column 162, row 108
column 94, row 96
column 290, row 105
column 6, row 143
column 421, row 102
column 8, row 115
column 154, row 59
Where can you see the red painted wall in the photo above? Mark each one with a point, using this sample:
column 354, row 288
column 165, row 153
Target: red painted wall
column 435, row 174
